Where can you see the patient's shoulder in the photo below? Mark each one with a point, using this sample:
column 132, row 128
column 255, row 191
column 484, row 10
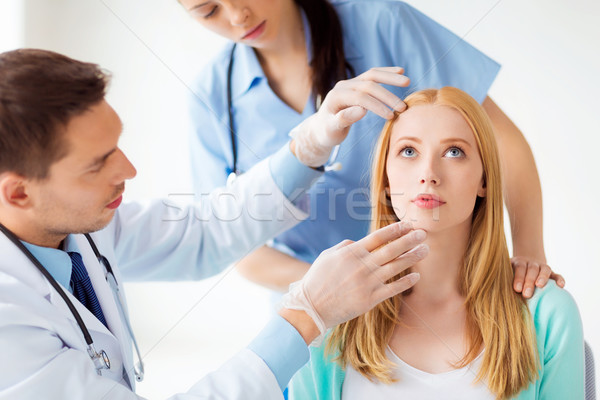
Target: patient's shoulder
column 552, row 306
column 551, row 297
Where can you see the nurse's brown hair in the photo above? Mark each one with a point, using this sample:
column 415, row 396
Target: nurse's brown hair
column 328, row 65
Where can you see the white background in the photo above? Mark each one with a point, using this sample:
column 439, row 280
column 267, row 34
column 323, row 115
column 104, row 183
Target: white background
column 548, row 86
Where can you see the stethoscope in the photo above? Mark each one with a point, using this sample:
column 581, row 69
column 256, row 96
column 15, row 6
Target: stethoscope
column 100, row 359
column 233, row 172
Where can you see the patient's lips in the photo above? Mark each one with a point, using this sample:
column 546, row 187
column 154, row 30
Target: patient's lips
column 428, row 201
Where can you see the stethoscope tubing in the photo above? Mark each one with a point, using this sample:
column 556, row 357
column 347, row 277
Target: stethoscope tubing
column 100, row 359
column 233, row 173
column 51, row 280
column 232, row 132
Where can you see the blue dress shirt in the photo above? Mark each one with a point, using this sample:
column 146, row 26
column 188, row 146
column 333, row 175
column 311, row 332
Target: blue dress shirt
column 56, row 261
column 376, row 33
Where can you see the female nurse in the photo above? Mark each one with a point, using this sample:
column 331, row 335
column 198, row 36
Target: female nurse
column 285, row 55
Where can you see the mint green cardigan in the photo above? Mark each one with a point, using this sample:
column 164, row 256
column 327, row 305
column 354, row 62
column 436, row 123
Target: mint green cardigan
column 560, row 345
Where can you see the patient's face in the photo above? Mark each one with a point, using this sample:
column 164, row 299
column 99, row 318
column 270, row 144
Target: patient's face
column 434, row 168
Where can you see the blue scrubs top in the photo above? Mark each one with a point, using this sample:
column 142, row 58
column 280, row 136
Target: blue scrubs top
column 376, row 33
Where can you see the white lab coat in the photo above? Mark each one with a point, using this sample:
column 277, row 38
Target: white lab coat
column 43, row 352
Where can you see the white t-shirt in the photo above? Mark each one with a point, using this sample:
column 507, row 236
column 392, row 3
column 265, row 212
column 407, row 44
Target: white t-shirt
column 416, row 384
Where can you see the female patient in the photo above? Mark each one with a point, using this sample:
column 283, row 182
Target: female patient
column 461, row 331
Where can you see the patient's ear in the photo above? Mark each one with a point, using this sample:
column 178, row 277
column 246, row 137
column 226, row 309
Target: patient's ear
column 482, row 191
column 13, row 190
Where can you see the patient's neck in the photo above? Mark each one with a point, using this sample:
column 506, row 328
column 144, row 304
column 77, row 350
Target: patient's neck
column 440, row 270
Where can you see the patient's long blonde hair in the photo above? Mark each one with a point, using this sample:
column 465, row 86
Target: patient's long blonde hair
column 497, row 318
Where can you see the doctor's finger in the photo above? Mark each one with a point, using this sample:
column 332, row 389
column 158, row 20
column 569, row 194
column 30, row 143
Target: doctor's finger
column 343, row 243
column 384, row 235
column 395, row 248
column 391, row 289
column 407, row 260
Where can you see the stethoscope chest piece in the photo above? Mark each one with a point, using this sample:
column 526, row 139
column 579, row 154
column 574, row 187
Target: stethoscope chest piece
column 231, row 178
column 101, row 360
column 105, row 359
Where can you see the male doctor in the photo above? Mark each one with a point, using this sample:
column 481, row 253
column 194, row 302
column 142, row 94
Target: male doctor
column 62, row 176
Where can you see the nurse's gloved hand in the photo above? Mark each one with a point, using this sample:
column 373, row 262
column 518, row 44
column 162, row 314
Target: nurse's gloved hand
column 344, row 105
column 350, row 279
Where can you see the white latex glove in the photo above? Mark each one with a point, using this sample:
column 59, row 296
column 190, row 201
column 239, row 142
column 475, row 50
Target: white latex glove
column 349, row 279
column 344, row 105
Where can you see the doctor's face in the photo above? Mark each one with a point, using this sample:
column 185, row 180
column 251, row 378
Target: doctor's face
column 256, row 23
column 434, row 168
column 84, row 188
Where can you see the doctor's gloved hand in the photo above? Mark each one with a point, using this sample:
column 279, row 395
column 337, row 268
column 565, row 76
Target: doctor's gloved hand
column 344, row 105
column 350, row 279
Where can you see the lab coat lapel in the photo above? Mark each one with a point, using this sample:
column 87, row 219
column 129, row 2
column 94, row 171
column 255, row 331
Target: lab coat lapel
column 16, row 264
column 97, row 273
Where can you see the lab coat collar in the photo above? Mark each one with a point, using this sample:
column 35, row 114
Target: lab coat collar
column 24, row 270
column 56, row 261
column 16, row 264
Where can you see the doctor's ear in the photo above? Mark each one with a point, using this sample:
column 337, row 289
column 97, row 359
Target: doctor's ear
column 13, row 190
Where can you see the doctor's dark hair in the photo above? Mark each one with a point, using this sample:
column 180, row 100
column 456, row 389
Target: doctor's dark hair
column 328, row 64
column 40, row 92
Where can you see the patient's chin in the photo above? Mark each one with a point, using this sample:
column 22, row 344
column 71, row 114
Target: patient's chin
column 426, row 223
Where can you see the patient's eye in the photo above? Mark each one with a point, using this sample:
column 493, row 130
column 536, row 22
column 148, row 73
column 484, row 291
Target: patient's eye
column 455, row 152
column 408, row 152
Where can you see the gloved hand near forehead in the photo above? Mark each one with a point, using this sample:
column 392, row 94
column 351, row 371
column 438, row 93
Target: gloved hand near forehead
column 344, row 105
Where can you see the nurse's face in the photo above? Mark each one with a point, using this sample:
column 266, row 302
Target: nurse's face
column 434, row 168
column 256, row 23
column 84, row 188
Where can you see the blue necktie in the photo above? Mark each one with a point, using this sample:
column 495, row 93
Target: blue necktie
column 82, row 287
